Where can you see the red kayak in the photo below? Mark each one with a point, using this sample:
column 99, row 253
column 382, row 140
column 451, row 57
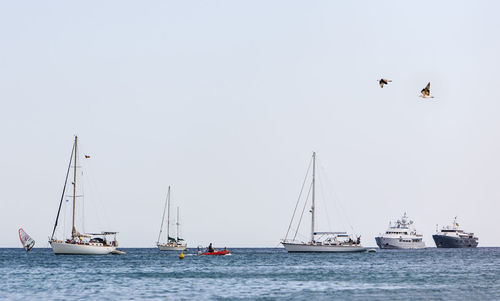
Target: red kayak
column 224, row 252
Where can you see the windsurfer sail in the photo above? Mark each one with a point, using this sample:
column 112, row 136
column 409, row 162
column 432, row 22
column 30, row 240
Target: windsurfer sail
column 26, row 240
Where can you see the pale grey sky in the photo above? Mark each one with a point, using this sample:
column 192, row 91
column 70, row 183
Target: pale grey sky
column 226, row 100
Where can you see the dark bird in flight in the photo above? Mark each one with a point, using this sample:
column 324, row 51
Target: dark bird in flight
column 426, row 92
column 384, row 81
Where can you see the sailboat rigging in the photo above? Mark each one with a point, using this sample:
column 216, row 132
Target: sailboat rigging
column 320, row 241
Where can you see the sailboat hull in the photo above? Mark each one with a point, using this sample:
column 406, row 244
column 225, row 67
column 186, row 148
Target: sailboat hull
column 172, row 247
column 310, row 248
column 62, row 248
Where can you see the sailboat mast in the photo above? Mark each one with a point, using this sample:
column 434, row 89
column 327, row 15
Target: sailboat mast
column 168, row 215
column 73, row 231
column 177, row 224
column 313, row 195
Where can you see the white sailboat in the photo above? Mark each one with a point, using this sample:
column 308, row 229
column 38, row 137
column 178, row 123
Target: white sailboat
column 320, row 241
column 81, row 243
column 172, row 244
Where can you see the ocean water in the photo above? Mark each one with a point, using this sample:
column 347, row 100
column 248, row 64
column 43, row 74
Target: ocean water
column 430, row 274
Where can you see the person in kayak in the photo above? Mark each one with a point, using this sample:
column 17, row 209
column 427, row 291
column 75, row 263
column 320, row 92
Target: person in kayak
column 210, row 249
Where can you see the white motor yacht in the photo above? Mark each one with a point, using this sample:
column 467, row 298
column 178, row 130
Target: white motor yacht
column 401, row 235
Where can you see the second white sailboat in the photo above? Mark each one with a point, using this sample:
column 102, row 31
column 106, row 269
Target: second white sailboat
column 172, row 244
column 321, row 241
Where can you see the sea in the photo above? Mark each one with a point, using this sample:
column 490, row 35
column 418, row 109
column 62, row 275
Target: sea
column 252, row 274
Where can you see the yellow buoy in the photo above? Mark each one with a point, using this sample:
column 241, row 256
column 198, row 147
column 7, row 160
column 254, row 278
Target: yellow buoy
column 181, row 256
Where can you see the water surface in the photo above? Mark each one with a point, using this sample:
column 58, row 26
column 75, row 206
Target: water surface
column 430, row 274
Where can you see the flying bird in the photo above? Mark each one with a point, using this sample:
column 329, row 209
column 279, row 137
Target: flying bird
column 426, row 92
column 384, row 81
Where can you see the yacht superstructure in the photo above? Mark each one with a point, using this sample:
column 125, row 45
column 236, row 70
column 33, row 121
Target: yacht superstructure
column 401, row 235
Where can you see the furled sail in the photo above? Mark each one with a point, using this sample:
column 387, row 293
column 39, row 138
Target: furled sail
column 26, row 240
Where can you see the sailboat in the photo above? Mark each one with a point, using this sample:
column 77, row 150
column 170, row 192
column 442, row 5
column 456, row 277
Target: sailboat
column 81, row 243
column 172, row 244
column 26, row 240
column 321, row 241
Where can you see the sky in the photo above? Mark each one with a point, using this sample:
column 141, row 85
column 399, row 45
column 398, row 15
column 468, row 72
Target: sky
column 225, row 101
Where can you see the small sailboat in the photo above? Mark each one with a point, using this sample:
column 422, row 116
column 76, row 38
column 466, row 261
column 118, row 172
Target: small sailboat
column 81, row 243
column 321, row 241
column 26, row 240
column 172, row 244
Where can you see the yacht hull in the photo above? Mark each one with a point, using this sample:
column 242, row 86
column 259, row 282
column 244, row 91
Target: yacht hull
column 172, row 247
column 62, row 248
column 395, row 243
column 443, row 241
column 305, row 248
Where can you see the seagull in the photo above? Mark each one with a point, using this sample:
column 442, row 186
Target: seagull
column 426, row 92
column 384, row 81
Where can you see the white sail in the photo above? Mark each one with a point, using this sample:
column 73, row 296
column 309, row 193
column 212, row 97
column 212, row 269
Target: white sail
column 26, row 240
